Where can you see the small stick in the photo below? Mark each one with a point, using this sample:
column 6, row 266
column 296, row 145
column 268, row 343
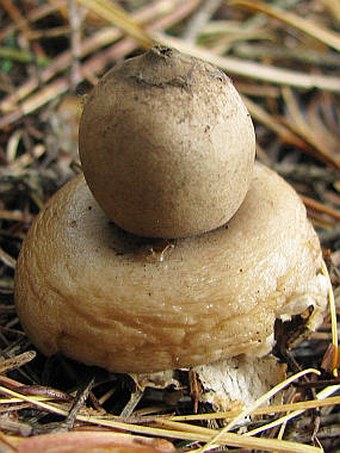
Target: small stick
column 79, row 401
column 136, row 396
column 319, row 207
column 195, row 390
column 17, row 361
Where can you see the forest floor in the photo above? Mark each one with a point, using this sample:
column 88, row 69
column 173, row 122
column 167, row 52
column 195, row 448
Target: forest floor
column 283, row 57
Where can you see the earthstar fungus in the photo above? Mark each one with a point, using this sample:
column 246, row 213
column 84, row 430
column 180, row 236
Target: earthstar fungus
column 101, row 295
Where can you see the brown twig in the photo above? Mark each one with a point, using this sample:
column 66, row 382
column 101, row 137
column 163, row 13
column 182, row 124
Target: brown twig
column 17, row 17
column 320, row 207
column 32, row 16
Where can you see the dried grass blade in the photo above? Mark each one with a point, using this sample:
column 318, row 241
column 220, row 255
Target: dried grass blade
column 283, row 420
column 239, row 440
column 15, row 401
column 268, row 410
column 316, row 31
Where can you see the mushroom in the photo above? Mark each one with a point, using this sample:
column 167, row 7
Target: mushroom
column 179, row 166
column 161, row 147
column 105, row 297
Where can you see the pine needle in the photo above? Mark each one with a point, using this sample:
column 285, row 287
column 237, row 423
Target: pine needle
column 268, row 410
column 332, row 310
column 254, row 70
column 116, row 15
column 307, row 26
column 183, row 431
column 259, row 402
